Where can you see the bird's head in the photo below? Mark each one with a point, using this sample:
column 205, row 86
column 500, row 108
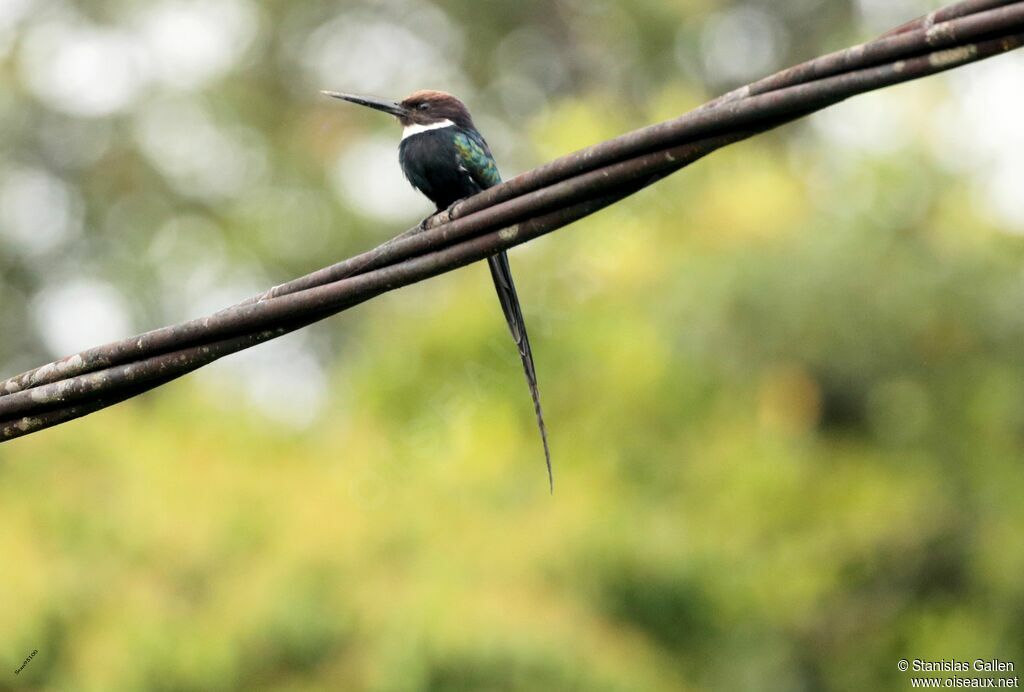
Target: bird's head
column 418, row 108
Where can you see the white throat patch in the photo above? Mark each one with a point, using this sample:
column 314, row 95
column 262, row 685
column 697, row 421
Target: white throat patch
column 411, row 130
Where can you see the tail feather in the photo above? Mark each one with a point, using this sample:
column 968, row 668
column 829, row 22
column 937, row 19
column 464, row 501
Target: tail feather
column 501, row 272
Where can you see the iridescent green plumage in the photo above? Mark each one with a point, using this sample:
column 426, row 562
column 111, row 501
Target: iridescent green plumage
column 476, row 158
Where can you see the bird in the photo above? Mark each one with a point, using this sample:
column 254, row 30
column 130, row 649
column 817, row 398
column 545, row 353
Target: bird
column 445, row 158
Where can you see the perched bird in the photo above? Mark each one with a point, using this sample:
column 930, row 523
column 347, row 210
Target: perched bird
column 445, row 158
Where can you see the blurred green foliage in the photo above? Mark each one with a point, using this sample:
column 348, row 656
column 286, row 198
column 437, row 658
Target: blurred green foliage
column 785, row 387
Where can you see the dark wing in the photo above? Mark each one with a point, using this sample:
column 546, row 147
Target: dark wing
column 475, row 158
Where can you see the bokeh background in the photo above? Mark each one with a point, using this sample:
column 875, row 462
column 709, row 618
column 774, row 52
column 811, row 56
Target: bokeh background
column 785, row 388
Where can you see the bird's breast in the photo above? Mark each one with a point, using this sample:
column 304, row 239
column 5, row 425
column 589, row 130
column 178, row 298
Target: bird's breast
column 430, row 162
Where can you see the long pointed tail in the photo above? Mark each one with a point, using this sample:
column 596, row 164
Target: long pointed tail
column 501, row 272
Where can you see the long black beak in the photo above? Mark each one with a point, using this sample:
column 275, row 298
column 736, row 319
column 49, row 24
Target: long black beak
column 384, row 105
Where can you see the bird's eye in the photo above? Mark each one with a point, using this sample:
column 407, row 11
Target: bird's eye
column 424, row 106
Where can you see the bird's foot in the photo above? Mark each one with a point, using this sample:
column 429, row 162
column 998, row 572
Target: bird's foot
column 451, row 208
column 431, row 221
column 450, row 211
column 439, row 217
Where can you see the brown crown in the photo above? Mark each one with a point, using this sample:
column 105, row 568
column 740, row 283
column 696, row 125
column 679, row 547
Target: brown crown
column 427, row 106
